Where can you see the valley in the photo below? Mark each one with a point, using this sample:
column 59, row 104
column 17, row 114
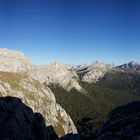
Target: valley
column 90, row 110
column 74, row 100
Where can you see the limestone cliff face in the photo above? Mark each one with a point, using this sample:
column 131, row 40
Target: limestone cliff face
column 91, row 72
column 94, row 72
column 14, row 61
column 39, row 98
column 57, row 73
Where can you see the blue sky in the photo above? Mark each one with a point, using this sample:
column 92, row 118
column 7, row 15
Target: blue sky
column 72, row 31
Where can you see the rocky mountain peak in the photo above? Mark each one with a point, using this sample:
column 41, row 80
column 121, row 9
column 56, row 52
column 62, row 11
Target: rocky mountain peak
column 134, row 63
column 14, row 61
column 131, row 66
column 14, row 55
column 100, row 64
column 57, row 73
column 56, row 65
column 94, row 71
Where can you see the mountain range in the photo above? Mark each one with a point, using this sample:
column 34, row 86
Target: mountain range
column 72, row 98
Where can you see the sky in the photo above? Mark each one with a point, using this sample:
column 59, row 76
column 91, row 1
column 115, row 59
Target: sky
column 72, row 31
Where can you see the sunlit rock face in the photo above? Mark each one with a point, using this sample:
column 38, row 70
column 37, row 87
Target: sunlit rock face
column 57, row 73
column 54, row 73
column 94, row 72
column 39, row 97
column 14, row 61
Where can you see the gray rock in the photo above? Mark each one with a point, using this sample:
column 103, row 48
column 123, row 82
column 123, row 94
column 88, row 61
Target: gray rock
column 19, row 122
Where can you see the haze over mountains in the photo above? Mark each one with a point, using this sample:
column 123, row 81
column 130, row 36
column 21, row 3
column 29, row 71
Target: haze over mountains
column 71, row 98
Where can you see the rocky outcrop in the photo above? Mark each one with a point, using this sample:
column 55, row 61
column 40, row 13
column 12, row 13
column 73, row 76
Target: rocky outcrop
column 66, row 76
column 91, row 72
column 57, row 73
column 19, row 122
column 39, row 97
column 94, row 72
column 14, row 61
column 32, row 92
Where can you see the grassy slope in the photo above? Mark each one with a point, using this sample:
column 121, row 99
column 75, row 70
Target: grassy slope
column 114, row 90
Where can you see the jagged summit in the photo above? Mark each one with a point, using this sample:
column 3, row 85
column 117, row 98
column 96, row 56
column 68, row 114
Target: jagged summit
column 56, row 65
column 57, row 73
column 94, row 71
column 132, row 65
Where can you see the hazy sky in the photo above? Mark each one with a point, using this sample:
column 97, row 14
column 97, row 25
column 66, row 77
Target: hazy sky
column 72, row 31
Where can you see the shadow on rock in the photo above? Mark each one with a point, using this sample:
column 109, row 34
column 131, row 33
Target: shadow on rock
column 123, row 123
column 19, row 122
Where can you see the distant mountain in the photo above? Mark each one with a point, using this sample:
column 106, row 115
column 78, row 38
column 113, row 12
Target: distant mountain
column 17, row 62
column 16, row 81
column 57, row 73
column 94, row 72
column 88, row 92
column 91, row 72
column 89, row 110
column 131, row 66
column 77, row 67
column 14, row 61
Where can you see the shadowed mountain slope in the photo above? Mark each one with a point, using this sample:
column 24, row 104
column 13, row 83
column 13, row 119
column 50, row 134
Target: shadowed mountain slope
column 123, row 123
column 89, row 110
column 19, row 122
